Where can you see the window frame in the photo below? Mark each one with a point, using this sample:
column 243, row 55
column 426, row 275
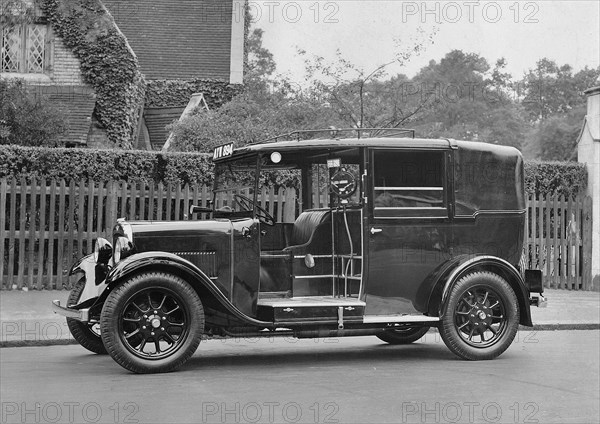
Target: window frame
column 425, row 212
column 23, row 53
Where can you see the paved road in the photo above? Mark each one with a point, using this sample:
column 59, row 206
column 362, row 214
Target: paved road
column 545, row 377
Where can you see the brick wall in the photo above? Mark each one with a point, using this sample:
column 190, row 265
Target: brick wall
column 97, row 138
column 66, row 67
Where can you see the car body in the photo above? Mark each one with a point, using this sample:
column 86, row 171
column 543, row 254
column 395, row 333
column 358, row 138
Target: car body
column 392, row 235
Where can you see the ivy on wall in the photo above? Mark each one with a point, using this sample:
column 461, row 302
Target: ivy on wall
column 107, row 63
column 166, row 93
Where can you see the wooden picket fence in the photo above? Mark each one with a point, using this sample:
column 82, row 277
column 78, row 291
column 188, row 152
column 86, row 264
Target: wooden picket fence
column 46, row 225
column 558, row 241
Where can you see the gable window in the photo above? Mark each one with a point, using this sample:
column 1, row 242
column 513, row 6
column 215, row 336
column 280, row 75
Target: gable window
column 23, row 48
column 408, row 183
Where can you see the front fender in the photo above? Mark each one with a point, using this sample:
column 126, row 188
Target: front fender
column 166, row 261
column 462, row 265
column 93, row 288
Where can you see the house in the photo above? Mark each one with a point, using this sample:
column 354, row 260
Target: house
column 178, row 47
column 588, row 152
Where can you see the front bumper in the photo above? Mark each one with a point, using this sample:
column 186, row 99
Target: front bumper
column 78, row 314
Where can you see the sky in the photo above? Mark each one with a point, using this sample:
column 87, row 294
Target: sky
column 370, row 33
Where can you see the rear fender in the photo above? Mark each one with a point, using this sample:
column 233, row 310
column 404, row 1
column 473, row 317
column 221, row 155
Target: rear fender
column 169, row 262
column 462, row 265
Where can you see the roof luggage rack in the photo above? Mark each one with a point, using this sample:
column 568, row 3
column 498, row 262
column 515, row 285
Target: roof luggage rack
column 333, row 132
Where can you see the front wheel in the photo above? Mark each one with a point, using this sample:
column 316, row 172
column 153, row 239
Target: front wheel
column 152, row 322
column 400, row 336
column 481, row 317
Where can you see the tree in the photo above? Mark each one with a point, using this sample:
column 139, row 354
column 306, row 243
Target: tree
column 260, row 64
column 550, row 89
column 556, row 137
column 269, row 106
column 470, row 100
column 555, row 105
column 27, row 118
column 363, row 98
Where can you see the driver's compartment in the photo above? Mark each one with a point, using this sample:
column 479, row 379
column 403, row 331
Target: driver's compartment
column 311, row 268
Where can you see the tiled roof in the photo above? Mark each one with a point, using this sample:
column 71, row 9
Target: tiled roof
column 177, row 39
column 78, row 104
column 156, row 120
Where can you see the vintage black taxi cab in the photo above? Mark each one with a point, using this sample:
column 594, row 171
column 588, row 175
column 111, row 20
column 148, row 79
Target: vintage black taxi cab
column 392, row 235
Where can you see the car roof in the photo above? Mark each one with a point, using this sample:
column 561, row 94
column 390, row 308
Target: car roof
column 337, row 143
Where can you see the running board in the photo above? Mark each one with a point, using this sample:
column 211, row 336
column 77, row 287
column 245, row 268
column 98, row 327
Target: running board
column 384, row 319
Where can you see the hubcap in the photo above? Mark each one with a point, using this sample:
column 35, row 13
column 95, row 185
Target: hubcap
column 480, row 317
column 154, row 323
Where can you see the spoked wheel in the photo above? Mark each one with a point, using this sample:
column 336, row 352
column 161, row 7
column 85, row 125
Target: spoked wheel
column 152, row 323
column 403, row 335
column 86, row 334
column 481, row 318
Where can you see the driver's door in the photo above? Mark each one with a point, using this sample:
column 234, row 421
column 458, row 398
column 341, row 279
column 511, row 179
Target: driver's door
column 245, row 264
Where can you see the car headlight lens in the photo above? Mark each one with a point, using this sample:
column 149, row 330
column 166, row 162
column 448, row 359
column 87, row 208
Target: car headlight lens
column 102, row 251
column 123, row 248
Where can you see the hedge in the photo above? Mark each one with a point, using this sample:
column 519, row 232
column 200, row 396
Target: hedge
column 132, row 166
column 555, row 178
column 541, row 178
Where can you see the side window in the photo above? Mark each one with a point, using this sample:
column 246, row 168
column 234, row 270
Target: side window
column 408, row 184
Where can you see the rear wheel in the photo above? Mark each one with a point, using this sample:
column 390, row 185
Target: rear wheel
column 481, row 318
column 86, row 334
column 152, row 323
column 403, row 335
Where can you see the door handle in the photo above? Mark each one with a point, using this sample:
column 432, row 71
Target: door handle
column 246, row 232
column 375, row 230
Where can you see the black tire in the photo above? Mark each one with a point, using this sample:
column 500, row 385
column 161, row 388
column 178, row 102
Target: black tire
column 402, row 336
column 135, row 313
column 87, row 335
column 481, row 317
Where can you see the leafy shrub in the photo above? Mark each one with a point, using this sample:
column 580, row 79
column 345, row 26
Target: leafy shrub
column 247, row 118
column 28, row 118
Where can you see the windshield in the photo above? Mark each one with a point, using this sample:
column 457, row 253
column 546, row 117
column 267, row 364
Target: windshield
column 297, row 181
column 232, row 180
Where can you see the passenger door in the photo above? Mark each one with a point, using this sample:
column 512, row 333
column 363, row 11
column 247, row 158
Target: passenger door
column 409, row 230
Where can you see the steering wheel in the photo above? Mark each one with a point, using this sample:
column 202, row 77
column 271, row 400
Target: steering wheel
column 263, row 216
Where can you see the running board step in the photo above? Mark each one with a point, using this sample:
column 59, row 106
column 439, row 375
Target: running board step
column 311, row 309
column 385, row 319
